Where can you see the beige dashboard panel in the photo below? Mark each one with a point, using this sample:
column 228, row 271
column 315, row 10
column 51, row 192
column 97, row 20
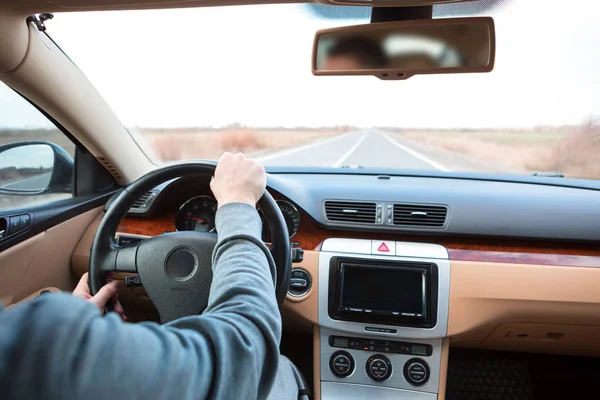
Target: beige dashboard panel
column 580, row 340
column 306, row 308
column 489, row 300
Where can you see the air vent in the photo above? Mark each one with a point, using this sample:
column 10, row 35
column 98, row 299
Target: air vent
column 143, row 203
column 143, row 200
column 348, row 211
column 419, row 215
column 111, row 170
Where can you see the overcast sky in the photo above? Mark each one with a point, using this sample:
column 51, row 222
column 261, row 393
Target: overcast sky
column 215, row 66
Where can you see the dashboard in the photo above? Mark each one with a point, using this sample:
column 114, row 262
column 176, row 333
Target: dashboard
column 483, row 220
column 398, row 268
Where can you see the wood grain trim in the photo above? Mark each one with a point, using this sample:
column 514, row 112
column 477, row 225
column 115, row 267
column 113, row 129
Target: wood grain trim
column 148, row 226
column 524, row 258
column 311, row 236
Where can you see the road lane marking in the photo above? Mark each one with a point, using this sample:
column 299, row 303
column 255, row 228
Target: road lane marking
column 301, row 148
column 346, row 155
column 416, row 154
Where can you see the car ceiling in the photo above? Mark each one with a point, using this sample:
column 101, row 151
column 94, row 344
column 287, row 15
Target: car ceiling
column 325, row 11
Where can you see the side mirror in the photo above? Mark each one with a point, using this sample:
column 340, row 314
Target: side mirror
column 30, row 168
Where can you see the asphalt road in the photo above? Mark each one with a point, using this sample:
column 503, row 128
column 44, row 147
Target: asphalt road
column 367, row 148
column 37, row 182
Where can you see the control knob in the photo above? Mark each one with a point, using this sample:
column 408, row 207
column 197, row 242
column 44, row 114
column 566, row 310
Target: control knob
column 416, row 372
column 341, row 364
column 379, row 368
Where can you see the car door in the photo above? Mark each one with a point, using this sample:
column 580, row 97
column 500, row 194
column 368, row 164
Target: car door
column 51, row 190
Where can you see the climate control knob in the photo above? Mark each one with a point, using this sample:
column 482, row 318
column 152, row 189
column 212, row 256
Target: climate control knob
column 379, row 368
column 416, row 372
column 341, row 364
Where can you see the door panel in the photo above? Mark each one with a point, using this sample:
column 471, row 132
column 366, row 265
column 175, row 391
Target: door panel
column 80, row 262
column 43, row 260
column 36, row 294
column 51, row 189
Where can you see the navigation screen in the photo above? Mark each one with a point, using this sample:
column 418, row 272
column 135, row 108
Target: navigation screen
column 391, row 291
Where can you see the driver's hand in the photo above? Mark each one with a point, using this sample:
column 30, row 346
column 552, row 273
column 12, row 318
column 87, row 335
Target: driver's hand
column 238, row 180
column 106, row 294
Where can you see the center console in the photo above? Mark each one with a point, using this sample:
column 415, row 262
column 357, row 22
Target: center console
column 383, row 316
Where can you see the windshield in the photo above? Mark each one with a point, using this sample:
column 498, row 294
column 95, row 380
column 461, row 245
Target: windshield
column 196, row 82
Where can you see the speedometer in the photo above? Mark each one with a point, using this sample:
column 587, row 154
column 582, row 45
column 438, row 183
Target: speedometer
column 197, row 214
column 291, row 215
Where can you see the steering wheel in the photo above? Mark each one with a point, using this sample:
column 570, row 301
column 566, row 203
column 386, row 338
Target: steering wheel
column 176, row 268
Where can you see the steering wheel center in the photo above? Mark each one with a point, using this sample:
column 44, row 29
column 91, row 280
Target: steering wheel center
column 181, row 264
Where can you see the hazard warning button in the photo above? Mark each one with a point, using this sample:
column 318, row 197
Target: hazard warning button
column 383, row 247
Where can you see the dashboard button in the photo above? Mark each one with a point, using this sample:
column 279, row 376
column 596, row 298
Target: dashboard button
column 297, row 255
column 300, row 283
column 124, row 240
column 416, row 372
column 341, row 364
column 383, row 247
column 24, row 221
column 133, row 281
column 13, row 225
column 379, row 368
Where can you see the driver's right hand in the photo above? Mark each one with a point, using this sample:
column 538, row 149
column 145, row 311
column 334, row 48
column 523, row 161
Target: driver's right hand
column 238, row 180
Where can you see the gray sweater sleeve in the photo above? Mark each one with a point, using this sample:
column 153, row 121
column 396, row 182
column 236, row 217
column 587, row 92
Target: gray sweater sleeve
column 58, row 346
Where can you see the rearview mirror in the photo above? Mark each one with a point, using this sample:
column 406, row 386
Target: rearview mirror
column 399, row 50
column 30, row 168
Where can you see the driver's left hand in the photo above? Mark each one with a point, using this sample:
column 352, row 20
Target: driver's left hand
column 106, row 294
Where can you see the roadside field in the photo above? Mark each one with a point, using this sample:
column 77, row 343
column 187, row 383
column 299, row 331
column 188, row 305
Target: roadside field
column 172, row 145
column 48, row 135
column 573, row 151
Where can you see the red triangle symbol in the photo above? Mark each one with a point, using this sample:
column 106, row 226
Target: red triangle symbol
column 383, row 248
